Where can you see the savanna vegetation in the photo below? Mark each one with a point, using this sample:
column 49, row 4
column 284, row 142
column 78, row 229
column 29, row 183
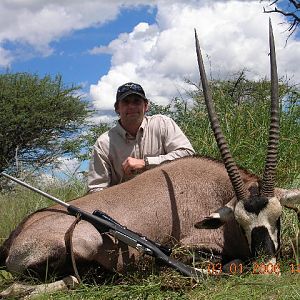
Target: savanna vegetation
column 243, row 108
column 37, row 115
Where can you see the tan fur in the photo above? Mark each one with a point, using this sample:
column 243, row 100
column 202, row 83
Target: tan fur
column 163, row 204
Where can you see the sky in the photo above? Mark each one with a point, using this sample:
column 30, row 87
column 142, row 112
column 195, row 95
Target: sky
column 103, row 44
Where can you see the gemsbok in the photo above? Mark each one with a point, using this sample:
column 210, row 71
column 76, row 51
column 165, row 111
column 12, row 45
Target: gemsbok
column 214, row 206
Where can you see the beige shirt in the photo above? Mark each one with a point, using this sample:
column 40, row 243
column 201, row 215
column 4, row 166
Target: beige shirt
column 159, row 138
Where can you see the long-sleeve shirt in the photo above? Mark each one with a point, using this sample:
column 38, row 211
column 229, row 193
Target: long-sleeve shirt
column 159, row 139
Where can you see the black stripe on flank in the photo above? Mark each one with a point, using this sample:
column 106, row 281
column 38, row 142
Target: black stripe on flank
column 256, row 204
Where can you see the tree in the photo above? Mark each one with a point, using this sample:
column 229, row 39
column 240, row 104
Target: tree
column 81, row 145
column 37, row 115
column 290, row 9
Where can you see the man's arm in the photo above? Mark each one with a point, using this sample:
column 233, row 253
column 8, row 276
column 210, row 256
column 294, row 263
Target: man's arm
column 175, row 143
column 99, row 176
column 130, row 164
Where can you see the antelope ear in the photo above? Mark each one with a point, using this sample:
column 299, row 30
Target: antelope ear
column 216, row 219
column 290, row 196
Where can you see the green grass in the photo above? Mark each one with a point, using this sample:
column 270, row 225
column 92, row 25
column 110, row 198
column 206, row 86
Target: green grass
column 245, row 120
column 20, row 202
column 171, row 286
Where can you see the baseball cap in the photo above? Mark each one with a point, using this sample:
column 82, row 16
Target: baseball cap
column 128, row 89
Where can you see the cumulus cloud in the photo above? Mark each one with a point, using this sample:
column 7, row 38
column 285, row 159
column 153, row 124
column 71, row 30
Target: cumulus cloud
column 100, row 119
column 38, row 23
column 65, row 169
column 233, row 36
column 5, row 57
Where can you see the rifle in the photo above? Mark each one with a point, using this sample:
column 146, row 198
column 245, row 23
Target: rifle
column 105, row 224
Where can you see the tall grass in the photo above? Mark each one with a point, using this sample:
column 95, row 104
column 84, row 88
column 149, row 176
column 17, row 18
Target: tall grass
column 20, row 202
column 245, row 119
column 233, row 288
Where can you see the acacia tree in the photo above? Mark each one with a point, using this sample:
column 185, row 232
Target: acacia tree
column 290, row 9
column 37, row 115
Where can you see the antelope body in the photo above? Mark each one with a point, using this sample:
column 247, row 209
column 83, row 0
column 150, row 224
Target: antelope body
column 185, row 201
column 163, row 204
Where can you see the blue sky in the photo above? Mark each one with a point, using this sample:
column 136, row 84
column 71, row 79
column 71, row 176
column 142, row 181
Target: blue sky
column 103, row 44
column 71, row 58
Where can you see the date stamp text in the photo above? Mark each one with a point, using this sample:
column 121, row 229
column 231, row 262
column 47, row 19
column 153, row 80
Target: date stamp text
column 255, row 268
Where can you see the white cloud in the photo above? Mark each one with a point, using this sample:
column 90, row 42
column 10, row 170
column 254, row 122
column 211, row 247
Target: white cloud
column 37, row 23
column 5, row 57
column 67, row 167
column 98, row 119
column 233, row 35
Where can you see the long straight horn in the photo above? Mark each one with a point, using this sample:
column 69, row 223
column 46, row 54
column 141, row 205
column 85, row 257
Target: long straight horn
column 268, row 182
column 232, row 170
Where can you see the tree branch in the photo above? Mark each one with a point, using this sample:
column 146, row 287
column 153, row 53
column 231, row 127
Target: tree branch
column 295, row 3
column 292, row 14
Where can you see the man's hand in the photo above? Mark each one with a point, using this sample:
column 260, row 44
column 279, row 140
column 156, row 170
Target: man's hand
column 131, row 164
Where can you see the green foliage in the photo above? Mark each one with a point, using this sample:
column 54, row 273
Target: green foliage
column 36, row 116
column 243, row 108
column 254, row 287
column 81, row 145
column 20, row 202
column 158, row 109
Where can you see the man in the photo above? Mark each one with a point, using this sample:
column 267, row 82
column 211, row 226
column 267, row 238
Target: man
column 136, row 143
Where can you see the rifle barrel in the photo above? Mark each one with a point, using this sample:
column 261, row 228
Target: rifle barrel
column 36, row 190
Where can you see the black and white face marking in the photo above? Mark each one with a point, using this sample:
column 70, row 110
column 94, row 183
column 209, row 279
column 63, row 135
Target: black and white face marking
column 260, row 219
column 219, row 217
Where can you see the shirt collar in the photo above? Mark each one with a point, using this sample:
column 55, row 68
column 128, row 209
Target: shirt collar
column 121, row 131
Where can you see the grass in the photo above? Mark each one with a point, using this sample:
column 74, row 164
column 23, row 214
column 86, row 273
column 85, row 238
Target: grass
column 19, row 202
column 171, row 286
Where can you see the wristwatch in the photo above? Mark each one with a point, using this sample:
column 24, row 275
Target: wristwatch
column 146, row 163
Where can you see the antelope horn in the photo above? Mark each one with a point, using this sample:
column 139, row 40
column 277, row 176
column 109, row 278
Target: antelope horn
column 230, row 165
column 268, row 182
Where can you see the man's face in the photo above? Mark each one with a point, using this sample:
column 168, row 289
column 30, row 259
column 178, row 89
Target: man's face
column 132, row 109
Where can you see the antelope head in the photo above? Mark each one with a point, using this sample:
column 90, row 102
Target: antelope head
column 257, row 208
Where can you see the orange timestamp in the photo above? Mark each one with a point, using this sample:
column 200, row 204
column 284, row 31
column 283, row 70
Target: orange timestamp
column 239, row 268
column 295, row 268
